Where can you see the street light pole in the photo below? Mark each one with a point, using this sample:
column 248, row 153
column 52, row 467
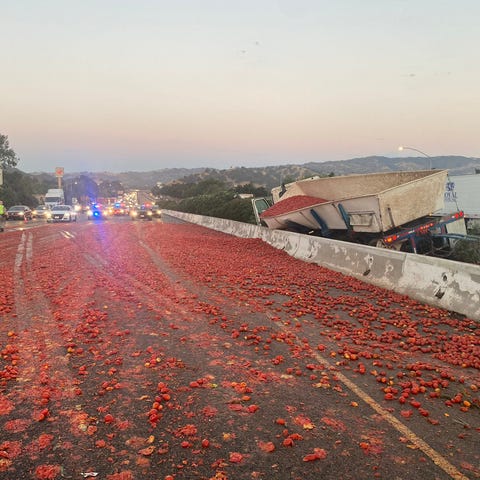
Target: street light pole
column 401, row 148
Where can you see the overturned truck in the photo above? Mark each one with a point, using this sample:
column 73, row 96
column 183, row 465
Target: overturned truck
column 391, row 210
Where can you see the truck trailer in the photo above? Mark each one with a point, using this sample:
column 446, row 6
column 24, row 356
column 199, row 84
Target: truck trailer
column 396, row 210
column 462, row 192
column 54, row 196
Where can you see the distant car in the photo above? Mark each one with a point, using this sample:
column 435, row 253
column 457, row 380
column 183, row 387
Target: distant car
column 41, row 211
column 97, row 212
column 62, row 213
column 19, row 212
column 142, row 213
column 157, row 211
column 119, row 209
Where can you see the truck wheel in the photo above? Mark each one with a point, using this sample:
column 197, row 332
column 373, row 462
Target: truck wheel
column 379, row 243
column 376, row 242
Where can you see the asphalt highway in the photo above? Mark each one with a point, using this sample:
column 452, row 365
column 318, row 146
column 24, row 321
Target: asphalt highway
column 145, row 350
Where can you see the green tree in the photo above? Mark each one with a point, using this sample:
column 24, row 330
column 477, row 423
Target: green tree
column 210, row 197
column 8, row 158
column 18, row 188
column 83, row 188
column 156, row 191
column 467, row 251
column 110, row 189
column 250, row 188
column 222, row 204
column 182, row 190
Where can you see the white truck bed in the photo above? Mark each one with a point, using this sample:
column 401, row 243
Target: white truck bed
column 371, row 203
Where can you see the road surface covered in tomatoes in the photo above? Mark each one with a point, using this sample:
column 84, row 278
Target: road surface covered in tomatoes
column 149, row 350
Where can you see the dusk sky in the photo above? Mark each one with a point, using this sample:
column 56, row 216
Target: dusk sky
column 118, row 85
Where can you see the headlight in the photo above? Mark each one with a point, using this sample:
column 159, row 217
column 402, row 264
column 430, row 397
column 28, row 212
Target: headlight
column 149, row 213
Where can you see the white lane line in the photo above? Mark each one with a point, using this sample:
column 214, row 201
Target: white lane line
column 29, row 247
column 421, row 444
column 436, row 458
column 19, row 255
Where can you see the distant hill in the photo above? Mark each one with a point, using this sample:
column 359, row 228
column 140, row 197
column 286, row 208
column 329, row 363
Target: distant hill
column 272, row 176
column 139, row 180
column 259, row 176
column 457, row 165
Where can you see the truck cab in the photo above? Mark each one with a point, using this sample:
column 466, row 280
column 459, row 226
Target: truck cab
column 54, row 196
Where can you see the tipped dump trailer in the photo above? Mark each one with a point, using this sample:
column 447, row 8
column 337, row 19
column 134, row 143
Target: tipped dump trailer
column 391, row 209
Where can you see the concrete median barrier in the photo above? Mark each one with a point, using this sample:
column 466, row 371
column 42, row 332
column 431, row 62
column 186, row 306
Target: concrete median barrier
column 454, row 286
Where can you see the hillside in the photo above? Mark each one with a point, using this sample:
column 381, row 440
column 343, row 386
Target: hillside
column 272, row 176
column 456, row 164
column 268, row 177
column 139, row 180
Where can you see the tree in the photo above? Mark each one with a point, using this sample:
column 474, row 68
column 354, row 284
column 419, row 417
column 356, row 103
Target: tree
column 8, row 158
column 110, row 189
column 156, row 191
column 19, row 188
column 83, row 188
column 181, row 190
column 250, row 188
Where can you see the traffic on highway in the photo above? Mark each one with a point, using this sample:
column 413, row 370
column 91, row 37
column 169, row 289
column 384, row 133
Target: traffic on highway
column 19, row 220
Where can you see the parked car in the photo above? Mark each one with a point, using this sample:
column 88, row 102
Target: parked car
column 41, row 211
column 19, row 212
column 62, row 213
column 142, row 213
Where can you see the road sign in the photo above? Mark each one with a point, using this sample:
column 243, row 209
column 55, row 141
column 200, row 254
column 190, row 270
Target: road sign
column 59, row 171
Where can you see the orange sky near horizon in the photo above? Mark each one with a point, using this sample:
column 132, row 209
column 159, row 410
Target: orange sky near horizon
column 157, row 84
